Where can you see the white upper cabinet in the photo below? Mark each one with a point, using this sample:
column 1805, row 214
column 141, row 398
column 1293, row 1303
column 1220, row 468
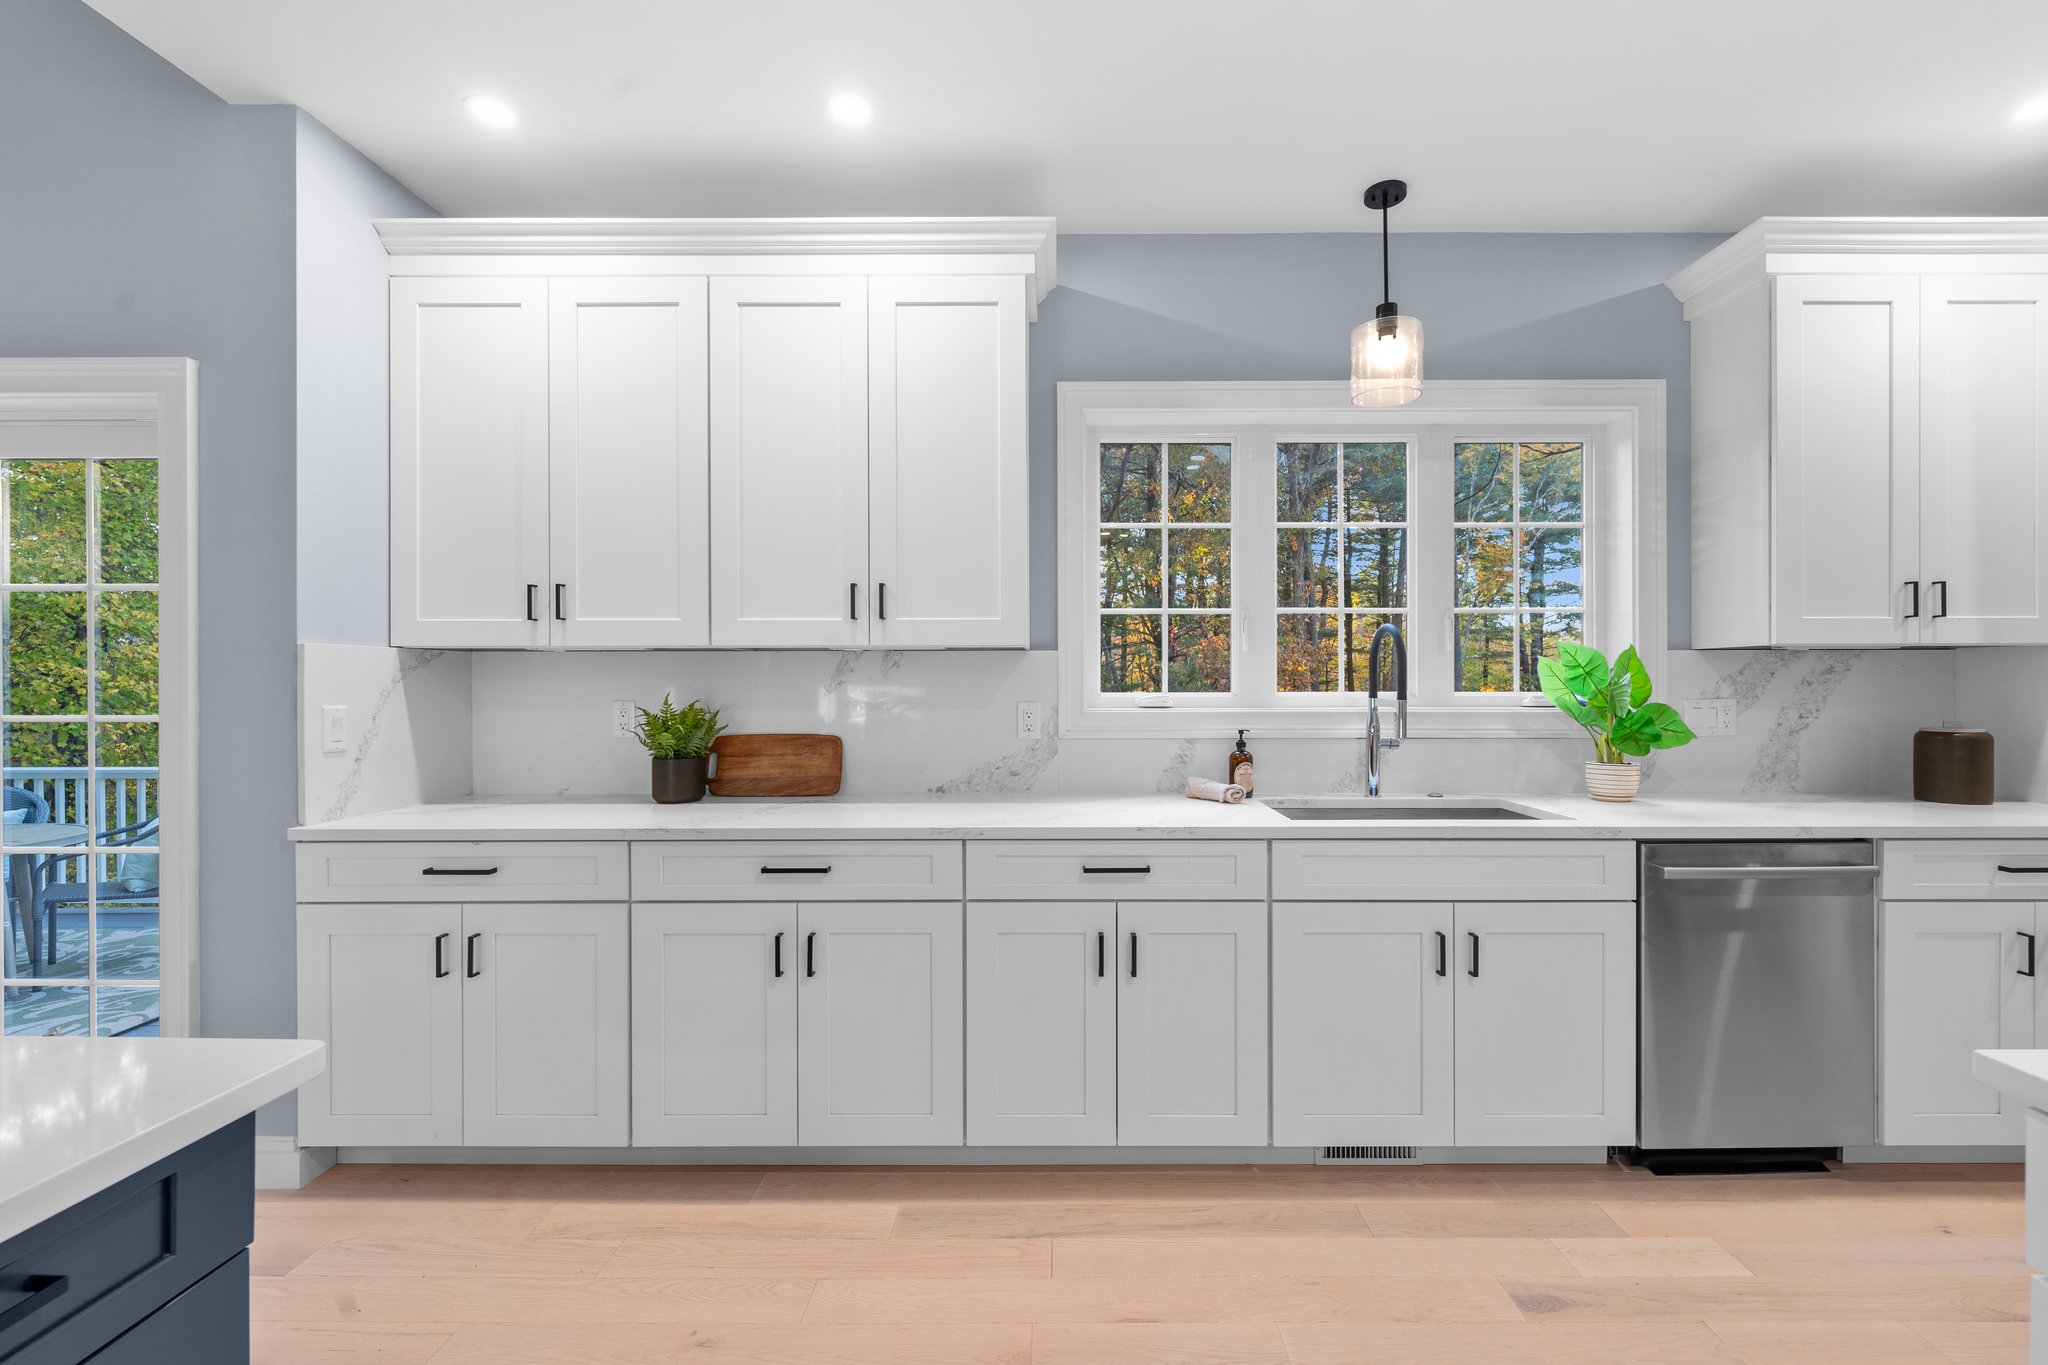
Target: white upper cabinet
column 627, row 419
column 948, row 469
column 1984, row 457
column 1870, row 433
column 469, row 462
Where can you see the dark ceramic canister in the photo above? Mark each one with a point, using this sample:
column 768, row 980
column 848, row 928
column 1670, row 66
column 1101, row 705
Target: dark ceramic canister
column 677, row 780
column 1953, row 767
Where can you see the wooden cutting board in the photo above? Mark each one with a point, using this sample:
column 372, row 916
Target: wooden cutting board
column 776, row 765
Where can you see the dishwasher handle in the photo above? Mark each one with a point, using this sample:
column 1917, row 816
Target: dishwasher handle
column 1730, row 874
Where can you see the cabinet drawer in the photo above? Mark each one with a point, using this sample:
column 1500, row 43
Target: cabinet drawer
column 1965, row 870
column 1454, row 870
column 1117, row 871
column 790, row 871
column 462, row 872
column 113, row 1259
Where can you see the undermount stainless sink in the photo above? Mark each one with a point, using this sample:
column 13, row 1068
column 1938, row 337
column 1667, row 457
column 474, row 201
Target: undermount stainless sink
column 1427, row 808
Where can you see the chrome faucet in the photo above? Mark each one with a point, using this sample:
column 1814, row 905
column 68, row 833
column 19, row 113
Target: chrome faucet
column 1387, row 630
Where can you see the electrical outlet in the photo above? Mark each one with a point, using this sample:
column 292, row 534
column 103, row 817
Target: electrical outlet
column 624, row 713
column 334, row 729
column 1710, row 717
column 1030, row 719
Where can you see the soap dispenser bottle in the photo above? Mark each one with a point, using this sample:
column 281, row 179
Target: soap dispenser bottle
column 1241, row 765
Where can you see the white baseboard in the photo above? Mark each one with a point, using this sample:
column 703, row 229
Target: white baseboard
column 1934, row 1155
column 931, row 1156
column 281, row 1164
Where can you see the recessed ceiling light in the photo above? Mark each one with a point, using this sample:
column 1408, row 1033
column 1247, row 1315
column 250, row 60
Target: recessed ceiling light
column 2033, row 111
column 490, row 111
column 850, row 109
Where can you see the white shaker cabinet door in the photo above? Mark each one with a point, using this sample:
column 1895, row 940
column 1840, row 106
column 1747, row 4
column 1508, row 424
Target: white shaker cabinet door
column 381, row 985
column 1191, row 1024
column 714, row 1025
column 469, row 462
column 627, row 463
column 1984, row 458
column 880, row 1030
column 948, row 462
column 789, row 462
column 1846, row 460
column 1041, row 1024
column 1545, row 1024
column 1362, row 1001
column 1953, row 982
column 544, row 1026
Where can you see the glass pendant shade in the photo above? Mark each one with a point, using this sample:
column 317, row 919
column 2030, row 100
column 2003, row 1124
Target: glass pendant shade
column 1386, row 362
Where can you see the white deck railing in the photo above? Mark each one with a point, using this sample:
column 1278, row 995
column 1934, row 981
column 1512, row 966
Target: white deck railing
column 127, row 795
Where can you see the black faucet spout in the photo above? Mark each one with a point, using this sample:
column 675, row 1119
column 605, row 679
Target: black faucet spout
column 1387, row 631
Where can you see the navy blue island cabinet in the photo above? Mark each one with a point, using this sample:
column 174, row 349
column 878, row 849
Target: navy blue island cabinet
column 153, row 1270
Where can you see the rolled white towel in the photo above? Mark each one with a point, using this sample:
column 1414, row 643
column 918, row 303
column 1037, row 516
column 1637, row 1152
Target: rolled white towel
column 1205, row 789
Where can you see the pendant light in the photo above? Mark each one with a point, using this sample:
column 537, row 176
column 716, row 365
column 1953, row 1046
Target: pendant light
column 1386, row 353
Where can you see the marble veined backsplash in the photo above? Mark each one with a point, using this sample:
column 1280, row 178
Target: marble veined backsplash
column 1837, row 722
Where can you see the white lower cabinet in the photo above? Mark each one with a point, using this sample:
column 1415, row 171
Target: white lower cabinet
column 1192, row 1042
column 1955, row 979
column 1362, row 1002
column 485, row 1025
column 1041, row 1024
column 1481, row 1024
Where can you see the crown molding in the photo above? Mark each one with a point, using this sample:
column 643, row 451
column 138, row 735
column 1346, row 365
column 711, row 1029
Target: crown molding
column 1747, row 255
column 1035, row 237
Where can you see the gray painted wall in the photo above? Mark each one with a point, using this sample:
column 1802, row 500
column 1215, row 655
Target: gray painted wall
column 343, row 388
column 143, row 216
column 1493, row 306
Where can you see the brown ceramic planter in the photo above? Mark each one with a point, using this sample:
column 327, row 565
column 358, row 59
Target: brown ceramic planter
column 677, row 780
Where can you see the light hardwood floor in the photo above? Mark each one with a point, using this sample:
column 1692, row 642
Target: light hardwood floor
column 1293, row 1265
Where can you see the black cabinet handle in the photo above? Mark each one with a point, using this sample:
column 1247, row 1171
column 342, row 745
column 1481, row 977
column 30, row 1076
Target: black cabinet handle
column 1113, row 871
column 1915, row 586
column 1101, row 954
column 796, row 871
column 560, row 615
column 881, row 601
column 1941, row 583
column 2030, row 952
column 778, row 955
column 458, row 872
column 440, row 956
column 1134, row 955
column 43, row 1290
column 810, row 954
column 1443, row 953
column 853, row 601
column 2034, row 871
column 532, row 605
column 469, row 956
column 1473, row 970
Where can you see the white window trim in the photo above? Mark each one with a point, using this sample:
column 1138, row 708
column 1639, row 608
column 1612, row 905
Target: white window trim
column 1623, row 419
column 160, row 393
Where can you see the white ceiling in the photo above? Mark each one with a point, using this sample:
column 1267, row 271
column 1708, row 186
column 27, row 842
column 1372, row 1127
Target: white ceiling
column 1162, row 115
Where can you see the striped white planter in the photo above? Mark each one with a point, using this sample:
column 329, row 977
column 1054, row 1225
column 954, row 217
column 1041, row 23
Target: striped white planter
column 1613, row 781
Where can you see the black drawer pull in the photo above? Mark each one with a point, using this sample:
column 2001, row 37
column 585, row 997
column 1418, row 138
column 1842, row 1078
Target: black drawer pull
column 1941, row 583
column 1101, row 954
column 1473, row 970
column 469, row 956
column 458, row 872
column 560, row 615
column 2028, row 871
column 2030, row 951
column 43, row 1290
column 796, row 871
column 1113, row 871
column 532, row 611
column 1915, row 586
column 1134, row 955
column 1443, row 953
column 778, row 955
column 440, row 956
column 811, row 954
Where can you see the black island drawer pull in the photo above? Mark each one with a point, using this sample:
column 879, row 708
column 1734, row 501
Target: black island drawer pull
column 458, row 872
column 2025, row 871
column 1112, row 871
column 440, row 956
column 796, row 871
column 43, row 1290
column 2030, row 951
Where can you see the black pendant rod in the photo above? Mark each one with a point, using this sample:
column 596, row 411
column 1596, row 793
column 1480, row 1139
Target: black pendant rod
column 1383, row 196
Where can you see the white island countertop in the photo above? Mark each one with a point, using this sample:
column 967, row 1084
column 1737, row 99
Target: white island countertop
column 2019, row 1072
column 1174, row 817
column 80, row 1114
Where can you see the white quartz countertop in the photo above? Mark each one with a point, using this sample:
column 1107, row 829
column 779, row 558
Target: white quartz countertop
column 80, row 1114
column 1172, row 817
column 2019, row 1072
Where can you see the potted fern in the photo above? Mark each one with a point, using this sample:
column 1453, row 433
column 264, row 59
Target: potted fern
column 1613, row 703
column 679, row 743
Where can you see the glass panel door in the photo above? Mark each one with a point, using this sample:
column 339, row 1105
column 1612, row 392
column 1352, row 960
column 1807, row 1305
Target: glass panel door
column 81, row 953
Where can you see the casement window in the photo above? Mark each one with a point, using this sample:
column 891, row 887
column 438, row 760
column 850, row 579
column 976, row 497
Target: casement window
column 1229, row 550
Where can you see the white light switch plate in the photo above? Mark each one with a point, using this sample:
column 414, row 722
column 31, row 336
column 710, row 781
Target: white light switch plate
column 1710, row 717
column 1030, row 719
column 334, row 729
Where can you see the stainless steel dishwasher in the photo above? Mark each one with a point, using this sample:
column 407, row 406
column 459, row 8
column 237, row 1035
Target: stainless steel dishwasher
column 1759, row 996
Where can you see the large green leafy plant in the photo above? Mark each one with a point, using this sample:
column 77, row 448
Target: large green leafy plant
column 1612, row 702
column 677, row 733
